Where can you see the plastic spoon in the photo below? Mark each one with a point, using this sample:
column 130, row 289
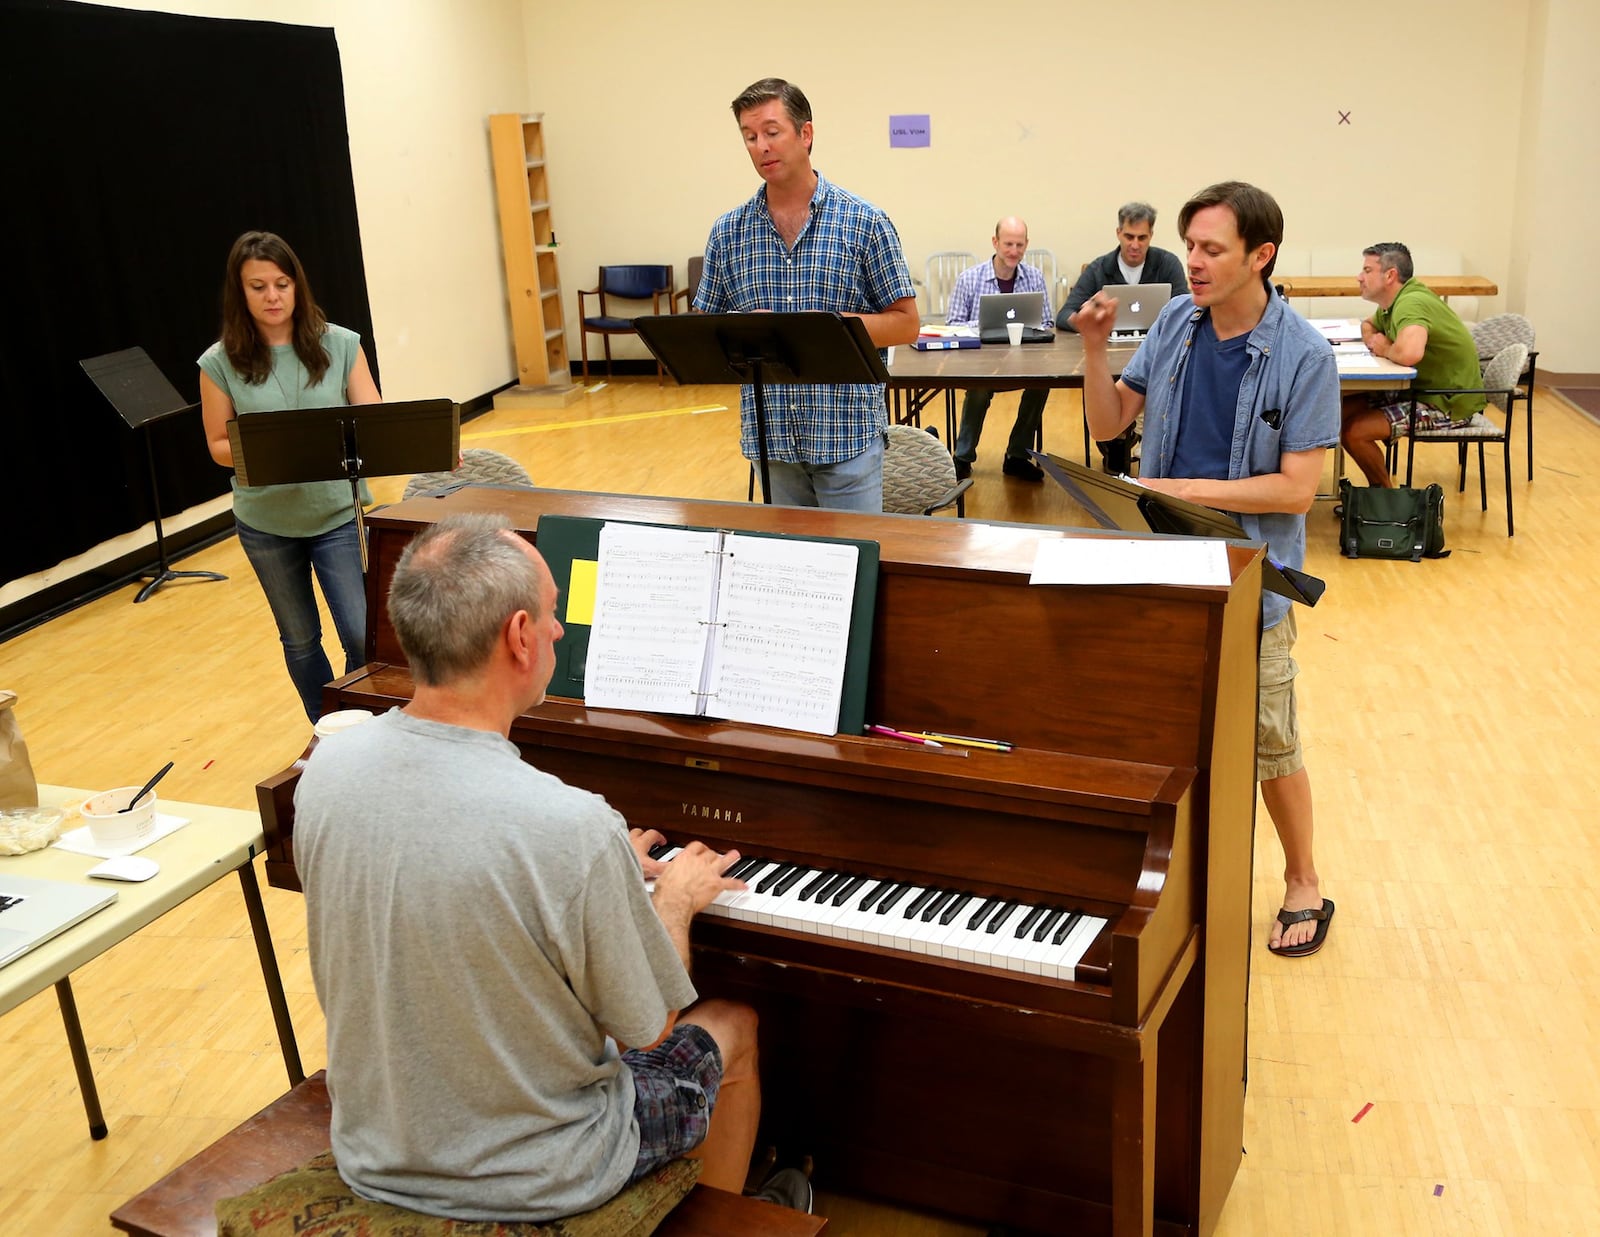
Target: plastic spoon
column 145, row 789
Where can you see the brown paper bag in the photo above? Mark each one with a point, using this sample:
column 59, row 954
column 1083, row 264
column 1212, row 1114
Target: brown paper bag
column 17, row 787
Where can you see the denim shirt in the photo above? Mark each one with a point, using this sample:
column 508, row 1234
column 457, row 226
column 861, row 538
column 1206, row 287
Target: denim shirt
column 1288, row 401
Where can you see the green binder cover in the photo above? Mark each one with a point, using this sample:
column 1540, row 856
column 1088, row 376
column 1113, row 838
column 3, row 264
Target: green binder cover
column 563, row 540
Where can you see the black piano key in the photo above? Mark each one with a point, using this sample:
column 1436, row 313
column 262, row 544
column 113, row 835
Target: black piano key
column 1048, row 922
column 1001, row 915
column 886, row 903
column 870, row 898
column 914, row 907
column 1066, row 926
column 815, row 885
column 660, row 849
column 745, row 867
column 982, row 913
column 773, row 877
column 1028, row 920
column 938, row 904
column 955, row 908
column 835, row 882
column 790, row 881
column 844, row 892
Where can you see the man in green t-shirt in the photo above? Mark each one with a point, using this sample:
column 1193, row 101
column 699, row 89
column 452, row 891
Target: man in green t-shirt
column 1414, row 327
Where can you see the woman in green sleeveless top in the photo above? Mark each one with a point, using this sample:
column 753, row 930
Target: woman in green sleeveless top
column 277, row 352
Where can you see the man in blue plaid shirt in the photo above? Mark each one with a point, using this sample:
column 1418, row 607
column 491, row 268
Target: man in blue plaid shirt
column 802, row 243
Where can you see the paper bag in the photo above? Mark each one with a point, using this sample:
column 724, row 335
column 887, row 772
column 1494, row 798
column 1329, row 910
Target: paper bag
column 17, row 787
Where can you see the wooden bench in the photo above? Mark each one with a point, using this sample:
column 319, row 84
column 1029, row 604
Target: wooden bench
column 294, row 1127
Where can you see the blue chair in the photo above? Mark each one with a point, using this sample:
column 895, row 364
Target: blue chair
column 628, row 283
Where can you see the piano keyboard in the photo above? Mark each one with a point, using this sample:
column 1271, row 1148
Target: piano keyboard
column 1029, row 939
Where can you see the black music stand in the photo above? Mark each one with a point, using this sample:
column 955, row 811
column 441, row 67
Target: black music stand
column 758, row 349
column 142, row 395
column 346, row 443
column 1117, row 502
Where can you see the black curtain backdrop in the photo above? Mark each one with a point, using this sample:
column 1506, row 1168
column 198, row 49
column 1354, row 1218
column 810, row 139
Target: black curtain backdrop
column 137, row 147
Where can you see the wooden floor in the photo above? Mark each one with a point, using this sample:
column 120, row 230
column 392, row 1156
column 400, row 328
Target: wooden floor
column 1449, row 710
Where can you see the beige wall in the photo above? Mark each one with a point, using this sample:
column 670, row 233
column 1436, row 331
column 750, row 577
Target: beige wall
column 1555, row 256
column 1063, row 114
column 1037, row 117
column 420, row 77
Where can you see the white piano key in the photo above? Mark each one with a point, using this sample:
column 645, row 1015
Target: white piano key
column 894, row 929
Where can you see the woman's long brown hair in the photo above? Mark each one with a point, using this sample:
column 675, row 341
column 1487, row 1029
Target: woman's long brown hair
column 241, row 340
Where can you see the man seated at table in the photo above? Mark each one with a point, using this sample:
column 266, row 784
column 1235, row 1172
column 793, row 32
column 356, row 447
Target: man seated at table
column 482, row 940
column 1411, row 326
column 1134, row 261
column 1005, row 272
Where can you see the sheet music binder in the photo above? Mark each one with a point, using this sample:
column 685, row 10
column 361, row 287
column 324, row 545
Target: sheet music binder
column 565, row 540
column 1113, row 502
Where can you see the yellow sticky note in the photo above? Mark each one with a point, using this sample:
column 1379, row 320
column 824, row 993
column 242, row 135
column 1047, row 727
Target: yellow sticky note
column 580, row 591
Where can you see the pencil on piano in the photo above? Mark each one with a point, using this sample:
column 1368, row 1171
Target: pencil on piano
column 963, row 740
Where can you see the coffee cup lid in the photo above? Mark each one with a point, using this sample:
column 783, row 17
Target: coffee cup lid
column 332, row 723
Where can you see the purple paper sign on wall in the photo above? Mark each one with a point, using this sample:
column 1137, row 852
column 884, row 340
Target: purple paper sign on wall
column 909, row 131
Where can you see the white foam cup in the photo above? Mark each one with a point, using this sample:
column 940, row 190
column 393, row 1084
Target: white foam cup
column 110, row 826
column 1014, row 332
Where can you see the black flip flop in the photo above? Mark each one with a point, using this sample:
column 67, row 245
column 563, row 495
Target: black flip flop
column 1323, row 916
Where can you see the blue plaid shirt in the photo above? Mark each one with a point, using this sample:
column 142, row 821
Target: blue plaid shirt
column 980, row 280
column 847, row 258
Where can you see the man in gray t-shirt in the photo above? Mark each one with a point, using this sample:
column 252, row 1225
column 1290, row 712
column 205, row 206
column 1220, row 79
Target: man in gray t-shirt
column 481, row 935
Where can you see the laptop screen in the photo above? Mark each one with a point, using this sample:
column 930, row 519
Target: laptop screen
column 998, row 308
column 1138, row 304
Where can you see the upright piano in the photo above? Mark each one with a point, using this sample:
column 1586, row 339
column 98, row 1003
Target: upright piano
column 989, row 1078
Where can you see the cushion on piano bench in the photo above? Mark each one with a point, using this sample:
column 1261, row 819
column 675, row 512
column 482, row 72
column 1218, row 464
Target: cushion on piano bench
column 312, row 1200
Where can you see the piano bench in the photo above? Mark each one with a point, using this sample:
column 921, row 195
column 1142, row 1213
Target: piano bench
column 294, row 1128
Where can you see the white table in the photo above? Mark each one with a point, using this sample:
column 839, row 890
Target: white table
column 216, row 841
column 1365, row 372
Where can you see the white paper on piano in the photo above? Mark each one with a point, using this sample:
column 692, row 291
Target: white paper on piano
column 751, row 629
column 1131, row 560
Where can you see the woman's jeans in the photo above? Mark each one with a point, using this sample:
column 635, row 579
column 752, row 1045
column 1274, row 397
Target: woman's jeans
column 284, row 566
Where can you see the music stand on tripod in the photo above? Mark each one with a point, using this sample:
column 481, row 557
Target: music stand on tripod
column 758, row 349
column 142, row 395
column 346, row 443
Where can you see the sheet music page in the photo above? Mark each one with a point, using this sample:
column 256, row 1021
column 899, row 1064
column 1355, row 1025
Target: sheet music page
column 783, row 610
column 652, row 603
column 1117, row 560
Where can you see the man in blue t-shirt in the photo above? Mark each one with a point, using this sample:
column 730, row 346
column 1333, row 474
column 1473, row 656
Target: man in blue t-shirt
column 1240, row 397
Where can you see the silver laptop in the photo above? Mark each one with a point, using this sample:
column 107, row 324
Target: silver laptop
column 1137, row 307
column 995, row 309
column 33, row 911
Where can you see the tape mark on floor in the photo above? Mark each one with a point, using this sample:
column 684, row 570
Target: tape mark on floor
column 589, row 422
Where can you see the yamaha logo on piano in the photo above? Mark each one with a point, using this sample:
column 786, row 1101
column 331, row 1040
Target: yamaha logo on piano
column 704, row 811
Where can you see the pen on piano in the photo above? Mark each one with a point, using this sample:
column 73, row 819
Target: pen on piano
column 889, row 733
column 963, row 740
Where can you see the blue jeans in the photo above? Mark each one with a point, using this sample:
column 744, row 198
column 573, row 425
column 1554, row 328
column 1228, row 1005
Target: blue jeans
column 850, row 485
column 284, row 566
column 1024, row 433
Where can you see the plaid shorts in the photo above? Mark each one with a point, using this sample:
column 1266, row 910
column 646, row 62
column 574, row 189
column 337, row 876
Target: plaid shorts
column 675, row 1087
column 1399, row 414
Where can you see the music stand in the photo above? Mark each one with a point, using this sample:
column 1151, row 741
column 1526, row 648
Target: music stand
column 1116, row 502
column 142, row 395
column 758, row 349
column 297, row 445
